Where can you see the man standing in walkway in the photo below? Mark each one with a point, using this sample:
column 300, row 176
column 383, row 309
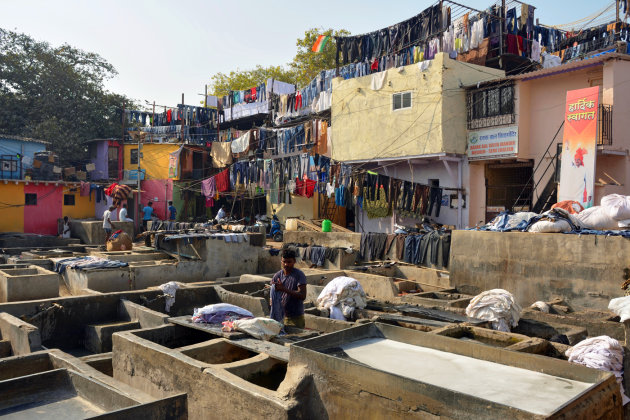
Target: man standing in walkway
column 107, row 221
column 288, row 291
column 148, row 214
column 172, row 214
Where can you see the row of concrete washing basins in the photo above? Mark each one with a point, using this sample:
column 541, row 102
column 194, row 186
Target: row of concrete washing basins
column 409, row 353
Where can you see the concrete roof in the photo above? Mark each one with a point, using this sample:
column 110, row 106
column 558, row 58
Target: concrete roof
column 12, row 137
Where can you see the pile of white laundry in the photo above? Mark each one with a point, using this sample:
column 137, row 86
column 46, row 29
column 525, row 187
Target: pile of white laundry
column 341, row 296
column 497, row 306
column 603, row 353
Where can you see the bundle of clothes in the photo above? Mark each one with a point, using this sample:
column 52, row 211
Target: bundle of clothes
column 219, row 312
column 341, row 297
column 86, row 263
column 603, row 353
column 611, row 217
column 497, row 306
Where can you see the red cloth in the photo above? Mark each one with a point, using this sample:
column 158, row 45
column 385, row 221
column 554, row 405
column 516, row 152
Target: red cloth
column 298, row 100
column 374, row 65
column 573, row 207
column 169, row 116
column 253, row 93
column 305, row 188
column 110, row 190
column 209, row 202
column 223, row 181
column 512, row 44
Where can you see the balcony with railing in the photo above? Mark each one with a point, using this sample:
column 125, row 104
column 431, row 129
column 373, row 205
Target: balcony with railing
column 490, row 106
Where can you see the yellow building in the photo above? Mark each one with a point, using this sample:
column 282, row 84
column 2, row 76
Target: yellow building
column 418, row 111
column 154, row 159
column 409, row 123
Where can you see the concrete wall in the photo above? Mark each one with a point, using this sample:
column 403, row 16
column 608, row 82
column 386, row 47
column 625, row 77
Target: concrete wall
column 585, row 270
column 28, row 283
column 91, row 231
column 83, row 208
column 329, row 239
column 154, row 159
column 42, row 218
column 365, row 125
column 306, row 208
column 24, row 337
column 160, row 191
column 213, row 390
column 346, row 389
column 12, row 214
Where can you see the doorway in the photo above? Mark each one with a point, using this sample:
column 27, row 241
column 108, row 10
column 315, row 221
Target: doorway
column 508, row 187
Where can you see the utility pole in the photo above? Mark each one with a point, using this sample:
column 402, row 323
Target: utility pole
column 182, row 120
column 617, row 11
column 138, row 180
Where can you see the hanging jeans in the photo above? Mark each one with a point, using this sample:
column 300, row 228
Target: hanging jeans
column 435, row 198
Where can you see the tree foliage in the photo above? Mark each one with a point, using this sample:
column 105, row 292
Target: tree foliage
column 305, row 66
column 56, row 94
column 244, row 79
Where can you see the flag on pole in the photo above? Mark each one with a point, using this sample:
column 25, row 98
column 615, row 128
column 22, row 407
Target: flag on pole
column 319, row 45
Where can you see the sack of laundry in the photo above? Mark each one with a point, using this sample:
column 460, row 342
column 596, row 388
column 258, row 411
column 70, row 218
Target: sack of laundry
column 119, row 241
column 341, row 296
column 219, row 312
column 497, row 306
column 260, row 328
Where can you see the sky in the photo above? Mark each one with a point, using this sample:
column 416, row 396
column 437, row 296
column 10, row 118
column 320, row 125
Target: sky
column 162, row 49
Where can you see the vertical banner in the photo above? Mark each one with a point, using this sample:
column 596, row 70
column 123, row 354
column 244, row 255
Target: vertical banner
column 577, row 172
column 173, row 163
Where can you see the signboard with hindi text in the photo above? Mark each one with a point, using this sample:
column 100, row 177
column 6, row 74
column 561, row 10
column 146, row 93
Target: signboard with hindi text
column 493, row 143
column 577, row 172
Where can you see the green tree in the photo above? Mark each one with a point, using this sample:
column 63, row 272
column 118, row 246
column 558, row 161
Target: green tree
column 222, row 83
column 305, row 66
column 56, row 94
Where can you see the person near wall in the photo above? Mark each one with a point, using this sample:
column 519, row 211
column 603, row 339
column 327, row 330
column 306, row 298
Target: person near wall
column 148, row 214
column 220, row 214
column 288, row 291
column 65, row 232
column 107, row 221
column 122, row 214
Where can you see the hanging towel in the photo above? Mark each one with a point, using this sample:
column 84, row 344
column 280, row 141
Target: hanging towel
column 221, row 154
column 378, row 80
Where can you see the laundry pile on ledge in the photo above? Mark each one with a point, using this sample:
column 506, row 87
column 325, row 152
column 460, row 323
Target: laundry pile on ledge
column 611, row 217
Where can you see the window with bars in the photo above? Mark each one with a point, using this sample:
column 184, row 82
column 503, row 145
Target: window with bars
column 133, row 157
column 491, row 106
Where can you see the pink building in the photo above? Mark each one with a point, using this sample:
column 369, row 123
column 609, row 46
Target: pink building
column 526, row 111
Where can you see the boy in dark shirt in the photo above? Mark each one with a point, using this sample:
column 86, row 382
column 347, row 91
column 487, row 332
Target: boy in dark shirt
column 288, row 293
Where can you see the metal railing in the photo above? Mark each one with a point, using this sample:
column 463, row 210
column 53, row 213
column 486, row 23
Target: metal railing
column 553, row 162
column 604, row 125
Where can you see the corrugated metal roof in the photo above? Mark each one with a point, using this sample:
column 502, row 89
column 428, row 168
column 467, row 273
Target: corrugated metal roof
column 12, row 137
column 571, row 66
column 563, row 68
